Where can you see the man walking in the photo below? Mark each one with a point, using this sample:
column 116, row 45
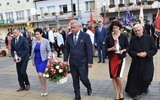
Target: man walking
column 142, row 49
column 20, row 45
column 78, row 48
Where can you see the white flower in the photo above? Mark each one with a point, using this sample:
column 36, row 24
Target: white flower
column 47, row 75
column 46, row 69
column 44, row 75
column 57, row 67
column 60, row 70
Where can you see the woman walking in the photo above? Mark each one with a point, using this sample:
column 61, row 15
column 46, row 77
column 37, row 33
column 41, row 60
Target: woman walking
column 40, row 53
column 117, row 46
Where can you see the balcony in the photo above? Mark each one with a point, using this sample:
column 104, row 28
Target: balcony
column 134, row 7
column 50, row 17
column 38, row 0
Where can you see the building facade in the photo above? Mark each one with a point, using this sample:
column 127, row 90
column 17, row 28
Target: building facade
column 14, row 13
column 47, row 13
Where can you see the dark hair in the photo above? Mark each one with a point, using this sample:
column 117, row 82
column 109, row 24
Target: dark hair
column 99, row 21
column 89, row 27
column 9, row 33
column 38, row 30
column 115, row 23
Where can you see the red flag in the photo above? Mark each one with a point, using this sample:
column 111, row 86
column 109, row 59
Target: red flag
column 70, row 19
column 104, row 18
column 91, row 18
column 157, row 21
column 157, row 25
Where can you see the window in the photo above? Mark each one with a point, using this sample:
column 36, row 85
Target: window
column 41, row 10
column 120, row 1
column 112, row 2
column 141, row 0
column 64, row 8
column 1, row 16
column 20, row 14
column 7, row 3
column 51, row 9
column 144, row 0
column 27, row 0
column 29, row 15
column 9, row 15
column 126, row 1
column 89, row 5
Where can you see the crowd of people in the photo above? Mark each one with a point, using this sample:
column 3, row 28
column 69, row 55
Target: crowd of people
column 79, row 45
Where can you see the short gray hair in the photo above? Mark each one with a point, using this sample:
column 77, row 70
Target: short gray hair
column 74, row 22
column 137, row 25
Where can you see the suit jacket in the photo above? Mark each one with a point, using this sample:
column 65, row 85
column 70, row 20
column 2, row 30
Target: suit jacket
column 82, row 53
column 100, row 37
column 45, row 49
column 22, row 48
column 123, row 42
column 45, row 34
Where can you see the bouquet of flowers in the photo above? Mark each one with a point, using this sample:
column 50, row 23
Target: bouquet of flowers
column 56, row 71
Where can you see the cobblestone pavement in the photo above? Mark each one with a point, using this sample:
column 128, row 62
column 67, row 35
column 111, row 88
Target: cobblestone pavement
column 99, row 76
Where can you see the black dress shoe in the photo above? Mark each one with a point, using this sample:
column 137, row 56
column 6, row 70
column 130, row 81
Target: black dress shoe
column 99, row 61
column 27, row 87
column 89, row 91
column 103, row 62
column 77, row 97
column 21, row 89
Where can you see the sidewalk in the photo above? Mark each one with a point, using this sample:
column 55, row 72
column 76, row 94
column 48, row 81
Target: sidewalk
column 102, row 87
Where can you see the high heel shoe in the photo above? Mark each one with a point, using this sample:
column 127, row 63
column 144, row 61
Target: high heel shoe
column 122, row 97
column 44, row 94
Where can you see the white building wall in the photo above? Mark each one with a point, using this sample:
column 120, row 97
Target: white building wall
column 14, row 6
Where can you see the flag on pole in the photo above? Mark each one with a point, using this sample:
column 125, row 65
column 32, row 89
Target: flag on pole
column 128, row 18
column 141, row 15
column 70, row 19
column 157, row 25
column 104, row 17
column 95, row 12
column 91, row 18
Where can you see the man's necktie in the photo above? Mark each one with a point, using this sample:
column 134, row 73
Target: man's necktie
column 75, row 39
column 16, row 41
column 99, row 29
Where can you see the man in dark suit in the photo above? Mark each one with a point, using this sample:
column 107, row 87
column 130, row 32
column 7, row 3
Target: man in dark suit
column 78, row 48
column 20, row 45
column 45, row 33
column 99, row 39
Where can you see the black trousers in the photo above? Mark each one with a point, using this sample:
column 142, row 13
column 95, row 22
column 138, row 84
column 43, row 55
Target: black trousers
column 22, row 74
column 79, row 73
